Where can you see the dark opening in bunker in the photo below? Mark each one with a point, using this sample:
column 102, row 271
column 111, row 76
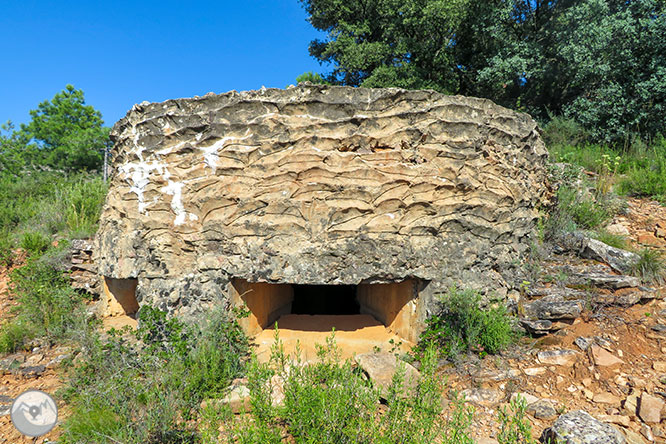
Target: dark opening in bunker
column 392, row 305
column 325, row 300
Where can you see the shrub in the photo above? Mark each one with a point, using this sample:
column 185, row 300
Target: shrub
column 461, row 325
column 34, row 242
column 515, row 428
column 331, row 401
column 650, row 266
column 48, row 306
column 144, row 387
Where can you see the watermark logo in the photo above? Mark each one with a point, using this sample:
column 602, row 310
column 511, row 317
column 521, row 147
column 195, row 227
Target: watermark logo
column 34, row 413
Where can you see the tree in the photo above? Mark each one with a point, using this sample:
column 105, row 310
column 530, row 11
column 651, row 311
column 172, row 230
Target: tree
column 70, row 135
column 600, row 62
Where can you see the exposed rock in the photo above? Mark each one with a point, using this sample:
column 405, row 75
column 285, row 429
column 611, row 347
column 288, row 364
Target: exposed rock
column 578, row 427
column 83, row 272
column 618, row 259
column 622, row 420
column 603, row 357
column 550, row 309
column 565, row 358
column 649, row 408
column 659, row 328
column 583, row 343
column 633, row 437
column 542, row 409
column 534, row 371
column 659, row 366
column 602, row 280
column 646, row 431
column 31, row 371
column 482, row 396
column 618, row 229
column 606, row 398
column 382, row 366
column 318, row 184
column 630, row 404
column 11, row 362
column 540, row 327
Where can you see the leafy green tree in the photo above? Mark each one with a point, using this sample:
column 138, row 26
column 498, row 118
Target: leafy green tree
column 405, row 43
column 599, row 62
column 70, row 134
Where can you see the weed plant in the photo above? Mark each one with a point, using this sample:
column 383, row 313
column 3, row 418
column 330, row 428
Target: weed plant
column 515, row 428
column 144, row 387
column 331, row 401
column 461, row 324
column 650, row 266
column 48, row 306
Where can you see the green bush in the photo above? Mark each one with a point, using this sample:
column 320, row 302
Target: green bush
column 515, row 428
column 650, row 266
column 144, row 387
column 462, row 325
column 48, row 306
column 34, row 242
column 331, row 401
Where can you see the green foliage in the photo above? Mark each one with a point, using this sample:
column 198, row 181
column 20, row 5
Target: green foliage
column 69, row 134
column 48, row 306
column 311, row 77
column 47, row 203
column 599, row 63
column 331, row 401
column 34, row 242
column 646, row 171
column 614, row 240
column 515, row 428
column 584, row 210
column 461, row 325
column 650, row 266
column 141, row 388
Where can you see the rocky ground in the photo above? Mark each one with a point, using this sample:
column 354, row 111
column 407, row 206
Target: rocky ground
column 597, row 363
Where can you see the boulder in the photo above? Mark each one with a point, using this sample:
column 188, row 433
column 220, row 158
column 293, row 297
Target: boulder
column 618, row 259
column 382, row 366
column 579, row 427
column 565, row 358
column 602, row 357
column 542, row 409
column 649, row 408
column 550, row 309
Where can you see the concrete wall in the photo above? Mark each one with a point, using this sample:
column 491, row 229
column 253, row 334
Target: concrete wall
column 119, row 296
column 266, row 302
column 395, row 305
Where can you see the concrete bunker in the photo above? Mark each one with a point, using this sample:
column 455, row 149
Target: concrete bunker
column 378, row 198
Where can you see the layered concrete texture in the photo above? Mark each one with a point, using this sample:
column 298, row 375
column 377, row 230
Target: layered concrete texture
column 319, row 185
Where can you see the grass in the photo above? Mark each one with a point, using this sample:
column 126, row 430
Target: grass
column 48, row 306
column 461, row 324
column 650, row 266
column 36, row 210
column 637, row 169
column 330, row 401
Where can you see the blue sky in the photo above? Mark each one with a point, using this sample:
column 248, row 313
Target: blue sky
column 124, row 52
